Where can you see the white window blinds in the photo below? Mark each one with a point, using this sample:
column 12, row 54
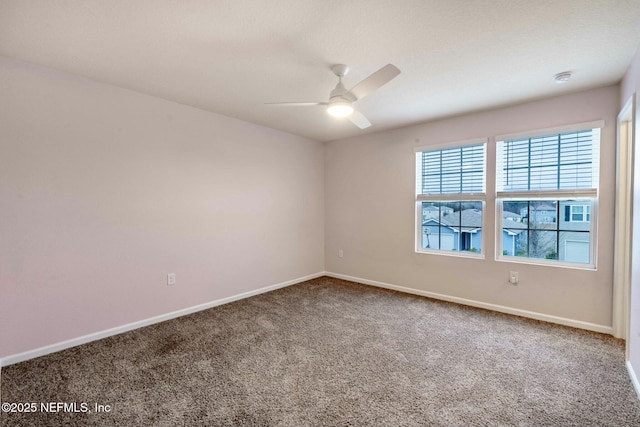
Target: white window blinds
column 562, row 163
column 457, row 170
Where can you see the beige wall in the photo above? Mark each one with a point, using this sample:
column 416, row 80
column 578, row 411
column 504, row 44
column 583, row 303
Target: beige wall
column 104, row 191
column 370, row 211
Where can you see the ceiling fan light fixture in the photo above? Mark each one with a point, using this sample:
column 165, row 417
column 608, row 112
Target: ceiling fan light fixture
column 340, row 109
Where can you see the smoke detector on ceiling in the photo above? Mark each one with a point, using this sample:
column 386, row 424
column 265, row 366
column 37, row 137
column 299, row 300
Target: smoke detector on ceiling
column 563, row 77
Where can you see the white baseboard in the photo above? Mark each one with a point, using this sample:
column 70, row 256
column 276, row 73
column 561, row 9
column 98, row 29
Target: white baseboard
column 634, row 378
column 502, row 309
column 32, row 354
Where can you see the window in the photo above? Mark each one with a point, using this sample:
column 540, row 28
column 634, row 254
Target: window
column 547, row 192
column 450, row 195
column 577, row 213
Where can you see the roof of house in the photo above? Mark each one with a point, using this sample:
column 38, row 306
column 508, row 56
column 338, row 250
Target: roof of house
column 542, row 207
column 507, row 214
column 437, row 208
column 471, row 220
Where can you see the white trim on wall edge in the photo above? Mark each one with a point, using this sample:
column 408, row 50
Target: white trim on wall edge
column 32, row 354
column 494, row 307
column 634, row 378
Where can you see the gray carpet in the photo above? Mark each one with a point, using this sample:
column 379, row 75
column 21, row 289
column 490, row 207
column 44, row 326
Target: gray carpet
column 333, row 353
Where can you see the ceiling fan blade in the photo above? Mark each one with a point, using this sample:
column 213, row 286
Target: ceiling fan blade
column 381, row 77
column 295, row 104
column 358, row 119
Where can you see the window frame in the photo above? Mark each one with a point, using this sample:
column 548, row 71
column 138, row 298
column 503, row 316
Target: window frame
column 449, row 198
column 592, row 265
column 559, row 196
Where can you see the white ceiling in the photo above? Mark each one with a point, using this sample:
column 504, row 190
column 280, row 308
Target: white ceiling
column 232, row 56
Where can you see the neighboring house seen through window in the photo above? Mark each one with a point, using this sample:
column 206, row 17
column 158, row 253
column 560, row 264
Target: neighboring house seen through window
column 547, row 191
column 450, row 195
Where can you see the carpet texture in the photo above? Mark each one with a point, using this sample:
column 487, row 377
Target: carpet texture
column 332, row 353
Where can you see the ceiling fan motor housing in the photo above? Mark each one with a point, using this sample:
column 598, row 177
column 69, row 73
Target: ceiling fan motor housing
column 340, row 94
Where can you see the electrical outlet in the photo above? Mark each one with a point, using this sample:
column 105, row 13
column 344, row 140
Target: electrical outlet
column 171, row 279
column 340, row 253
column 513, row 277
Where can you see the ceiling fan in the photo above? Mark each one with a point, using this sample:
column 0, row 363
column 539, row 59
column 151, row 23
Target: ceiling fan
column 341, row 100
